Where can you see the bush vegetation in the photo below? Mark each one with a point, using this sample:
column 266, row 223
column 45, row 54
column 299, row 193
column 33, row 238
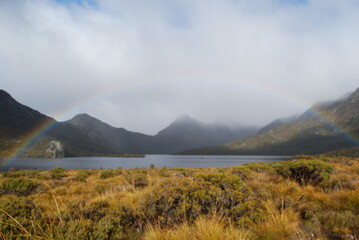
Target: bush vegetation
column 18, row 186
column 57, row 173
column 305, row 198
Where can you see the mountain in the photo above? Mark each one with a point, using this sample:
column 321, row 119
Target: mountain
column 84, row 135
column 278, row 122
column 325, row 127
column 185, row 132
column 17, row 119
column 16, row 122
column 87, row 135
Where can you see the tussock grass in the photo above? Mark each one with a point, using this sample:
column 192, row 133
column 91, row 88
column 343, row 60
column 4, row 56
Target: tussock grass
column 280, row 224
column 282, row 200
column 204, row 228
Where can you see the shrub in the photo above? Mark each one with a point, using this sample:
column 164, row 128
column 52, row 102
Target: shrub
column 340, row 223
column 96, row 210
column 22, row 173
column 82, row 175
column 107, row 228
column 138, row 180
column 78, row 229
column 313, row 172
column 57, row 173
column 110, row 173
column 19, row 208
column 222, row 180
column 178, row 199
column 18, row 186
column 164, row 172
column 303, row 156
column 259, row 167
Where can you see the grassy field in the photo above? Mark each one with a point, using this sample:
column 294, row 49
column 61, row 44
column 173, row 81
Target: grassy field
column 306, row 198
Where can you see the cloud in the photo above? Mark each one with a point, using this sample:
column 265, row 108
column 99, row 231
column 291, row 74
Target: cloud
column 140, row 64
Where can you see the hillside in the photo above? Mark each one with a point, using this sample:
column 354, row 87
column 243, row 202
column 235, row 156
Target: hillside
column 17, row 119
column 85, row 135
column 324, row 127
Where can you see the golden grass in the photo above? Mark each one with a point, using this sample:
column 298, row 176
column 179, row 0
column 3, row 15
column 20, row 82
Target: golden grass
column 281, row 209
column 204, row 228
column 280, row 224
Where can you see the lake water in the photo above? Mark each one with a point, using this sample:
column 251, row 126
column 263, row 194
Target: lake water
column 170, row 161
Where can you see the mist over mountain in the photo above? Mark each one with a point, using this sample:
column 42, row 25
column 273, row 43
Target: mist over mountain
column 186, row 131
column 324, row 127
column 278, row 122
column 84, row 135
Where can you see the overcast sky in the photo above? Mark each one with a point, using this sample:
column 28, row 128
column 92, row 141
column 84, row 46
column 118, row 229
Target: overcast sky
column 140, row 64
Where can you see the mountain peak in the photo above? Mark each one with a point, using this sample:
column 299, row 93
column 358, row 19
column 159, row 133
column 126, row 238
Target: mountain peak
column 84, row 119
column 3, row 92
column 16, row 118
column 185, row 118
column 82, row 116
column 4, row 96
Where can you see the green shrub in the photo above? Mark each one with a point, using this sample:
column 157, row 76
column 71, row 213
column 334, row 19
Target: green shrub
column 138, row 180
column 303, row 156
column 19, row 208
column 82, row 175
column 242, row 171
column 164, row 172
column 96, row 210
column 110, row 173
column 18, row 186
column 341, row 223
column 23, row 173
column 108, row 228
column 222, row 180
column 313, row 172
column 184, row 199
column 259, row 167
column 78, row 229
column 57, row 173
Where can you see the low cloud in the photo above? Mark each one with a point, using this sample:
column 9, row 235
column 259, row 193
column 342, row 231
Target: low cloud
column 140, row 64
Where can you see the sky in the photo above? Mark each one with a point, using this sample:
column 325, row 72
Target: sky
column 140, row 64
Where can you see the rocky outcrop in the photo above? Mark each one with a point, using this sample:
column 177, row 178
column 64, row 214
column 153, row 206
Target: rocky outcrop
column 55, row 149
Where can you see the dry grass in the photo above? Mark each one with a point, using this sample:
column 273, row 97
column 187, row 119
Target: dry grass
column 273, row 207
column 204, row 228
column 280, row 224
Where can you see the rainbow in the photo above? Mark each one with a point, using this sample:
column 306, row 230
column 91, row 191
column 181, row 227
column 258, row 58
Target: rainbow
column 276, row 93
column 28, row 140
column 344, row 133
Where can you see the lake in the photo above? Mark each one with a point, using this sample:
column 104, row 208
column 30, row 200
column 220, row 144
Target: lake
column 170, row 161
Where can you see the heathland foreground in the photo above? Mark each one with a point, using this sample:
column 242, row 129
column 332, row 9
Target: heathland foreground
column 306, row 198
